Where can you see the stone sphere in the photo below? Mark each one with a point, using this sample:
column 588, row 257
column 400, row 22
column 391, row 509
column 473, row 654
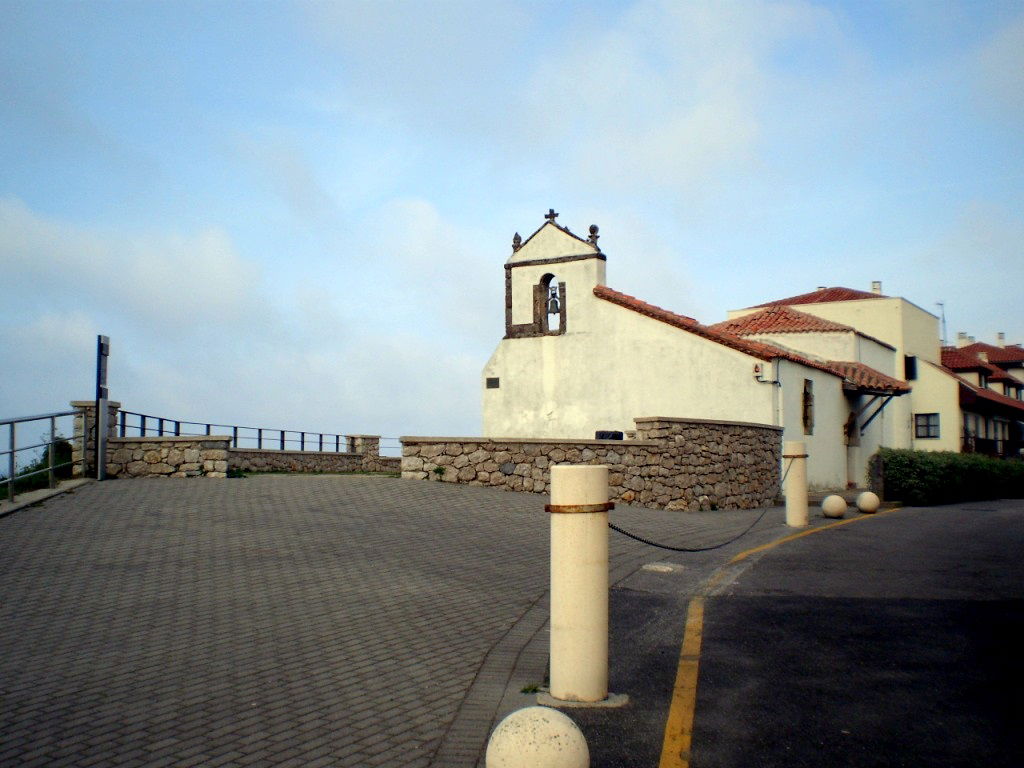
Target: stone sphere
column 833, row 506
column 868, row 502
column 537, row 737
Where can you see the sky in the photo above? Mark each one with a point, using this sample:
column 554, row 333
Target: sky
column 296, row 214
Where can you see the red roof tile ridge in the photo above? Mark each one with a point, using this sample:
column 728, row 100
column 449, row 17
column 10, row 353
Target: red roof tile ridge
column 778, row 319
column 823, row 295
column 863, row 376
column 1011, row 353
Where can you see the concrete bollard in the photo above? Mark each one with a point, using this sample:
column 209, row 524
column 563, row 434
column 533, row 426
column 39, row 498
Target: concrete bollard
column 537, row 737
column 833, row 506
column 796, row 483
column 579, row 582
column 868, row 502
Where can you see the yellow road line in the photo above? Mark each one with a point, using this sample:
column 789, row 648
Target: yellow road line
column 675, row 747
column 772, row 544
column 678, row 739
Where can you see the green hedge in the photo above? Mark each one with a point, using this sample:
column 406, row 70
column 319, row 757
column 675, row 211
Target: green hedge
column 923, row 478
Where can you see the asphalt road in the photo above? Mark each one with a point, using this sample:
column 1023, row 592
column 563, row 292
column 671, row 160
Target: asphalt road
column 894, row 640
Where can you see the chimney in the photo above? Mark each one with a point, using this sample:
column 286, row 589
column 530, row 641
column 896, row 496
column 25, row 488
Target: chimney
column 822, row 287
column 961, row 339
column 983, row 356
column 876, row 287
column 1000, row 339
column 970, row 339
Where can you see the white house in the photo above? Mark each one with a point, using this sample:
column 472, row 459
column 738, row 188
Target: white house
column 579, row 357
column 963, row 398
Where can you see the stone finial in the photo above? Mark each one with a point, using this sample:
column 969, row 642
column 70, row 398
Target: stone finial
column 593, row 234
column 551, row 215
column 517, row 242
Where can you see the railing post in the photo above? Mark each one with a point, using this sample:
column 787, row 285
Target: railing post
column 796, row 483
column 321, row 442
column 11, row 465
column 51, row 450
column 259, row 438
column 177, row 429
column 142, row 425
column 160, row 427
column 337, row 443
column 123, row 421
column 579, row 582
column 282, row 439
column 234, row 437
column 302, row 441
column 207, row 429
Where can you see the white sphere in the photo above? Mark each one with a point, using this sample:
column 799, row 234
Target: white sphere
column 537, row 737
column 833, row 506
column 868, row 502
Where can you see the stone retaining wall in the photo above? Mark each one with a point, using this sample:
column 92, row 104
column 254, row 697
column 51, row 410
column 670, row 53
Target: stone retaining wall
column 83, row 444
column 673, row 464
column 257, row 460
column 166, row 456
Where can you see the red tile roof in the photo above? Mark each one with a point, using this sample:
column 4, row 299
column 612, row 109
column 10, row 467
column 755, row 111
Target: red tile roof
column 856, row 375
column 969, row 391
column 778, row 319
column 964, row 359
column 865, row 378
column 1012, row 353
column 825, row 294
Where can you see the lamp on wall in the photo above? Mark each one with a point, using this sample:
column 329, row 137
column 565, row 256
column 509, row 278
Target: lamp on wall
column 553, row 306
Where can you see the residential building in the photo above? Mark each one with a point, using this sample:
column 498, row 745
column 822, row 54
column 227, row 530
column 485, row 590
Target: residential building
column 580, row 358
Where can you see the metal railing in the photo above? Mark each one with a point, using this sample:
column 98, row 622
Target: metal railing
column 132, row 424
column 49, row 446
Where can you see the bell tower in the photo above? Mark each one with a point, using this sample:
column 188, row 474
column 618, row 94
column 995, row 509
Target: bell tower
column 543, row 274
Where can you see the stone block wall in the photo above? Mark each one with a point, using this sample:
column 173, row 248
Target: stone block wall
column 673, row 464
column 83, row 450
column 257, row 460
column 204, row 456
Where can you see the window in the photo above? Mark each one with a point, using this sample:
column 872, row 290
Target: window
column 808, row 407
column 926, row 425
column 493, row 383
column 909, row 367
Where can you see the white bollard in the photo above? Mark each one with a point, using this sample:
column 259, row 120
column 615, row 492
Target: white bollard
column 579, row 582
column 794, row 451
column 537, row 737
column 868, row 502
column 833, row 506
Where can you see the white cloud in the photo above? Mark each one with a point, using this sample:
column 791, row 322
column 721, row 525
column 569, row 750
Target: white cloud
column 167, row 280
column 194, row 337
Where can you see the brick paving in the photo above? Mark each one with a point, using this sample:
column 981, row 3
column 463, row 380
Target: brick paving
column 277, row 620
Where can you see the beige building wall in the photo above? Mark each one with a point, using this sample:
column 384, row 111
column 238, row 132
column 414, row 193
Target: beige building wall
column 935, row 391
column 896, row 321
column 611, row 366
column 837, row 345
column 826, row 459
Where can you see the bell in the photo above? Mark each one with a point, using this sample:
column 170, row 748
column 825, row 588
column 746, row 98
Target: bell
column 553, row 307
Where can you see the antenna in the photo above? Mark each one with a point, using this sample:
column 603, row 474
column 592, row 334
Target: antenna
column 942, row 314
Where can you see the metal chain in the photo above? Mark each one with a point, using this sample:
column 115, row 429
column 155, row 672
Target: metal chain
column 642, row 540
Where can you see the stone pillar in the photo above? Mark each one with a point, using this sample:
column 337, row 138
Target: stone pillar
column 795, row 452
column 579, row 582
column 83, row 446
column 368, row 445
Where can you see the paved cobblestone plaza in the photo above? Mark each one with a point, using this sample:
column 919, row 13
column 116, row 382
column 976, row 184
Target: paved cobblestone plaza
column 276, row 620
